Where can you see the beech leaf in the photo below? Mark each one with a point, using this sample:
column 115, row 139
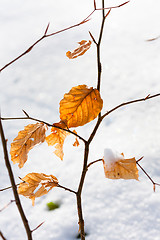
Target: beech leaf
column 36, row 185
column 117, row 167
column 32, row 135
column 84, row 46
column 80, row 106
column 57, row 138
column 76, row 143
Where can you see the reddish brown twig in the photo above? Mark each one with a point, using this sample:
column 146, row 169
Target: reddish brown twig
column 38, row 226
column 45, row 35
column 153, row 182
column 130, row 102
column 14, row 188
column 7, row 205
column 153, row 39
column 41, row 121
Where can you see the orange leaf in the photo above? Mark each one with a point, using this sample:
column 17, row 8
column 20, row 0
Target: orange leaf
column 116, row 167
column 36, row 185
column 84, row 46
column 57, row 138
column 80, row 106
column 76, row 143
column 32, row 135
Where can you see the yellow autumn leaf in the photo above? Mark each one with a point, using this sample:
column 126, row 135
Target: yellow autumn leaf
column 32, row 135
column 120, row 168
column 36, row 185
column 80, row 106
column 57, row 138
column 84, row 46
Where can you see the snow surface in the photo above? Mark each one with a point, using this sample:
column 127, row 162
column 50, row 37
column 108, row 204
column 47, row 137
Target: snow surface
column 113, row 209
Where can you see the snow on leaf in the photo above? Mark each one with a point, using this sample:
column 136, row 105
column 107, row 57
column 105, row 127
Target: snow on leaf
column 57, row 138
column 36, row 185
column 32, row 135
column 80, row 106
column 84, row 46
column 117, row 167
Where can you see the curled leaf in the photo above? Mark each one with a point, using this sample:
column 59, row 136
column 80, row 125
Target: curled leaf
column 80, row 106
column 117, row 167
column 36, row 185
column 84, row 46
column 57, row 138
column 32, row 135
column 76, row 143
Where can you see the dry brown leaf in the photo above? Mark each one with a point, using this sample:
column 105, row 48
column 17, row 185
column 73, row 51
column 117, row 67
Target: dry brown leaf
column 122, row 168
column 84, row 46
column 32, row 135
column 80, row 106
column 76, row 143
column 57, row 138
column 36, row 185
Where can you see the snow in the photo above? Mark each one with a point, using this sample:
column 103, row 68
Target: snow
column 111, row 157
column 113, row 209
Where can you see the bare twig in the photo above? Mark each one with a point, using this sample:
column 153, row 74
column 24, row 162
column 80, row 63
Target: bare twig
column 153, row 182
column 3, row 189
column 99, row 160
column 45, row 35
column 79, row 192
column 14, row 188
column 7, row 205
column 48, row 124
column 67, row 189
column 130, row 102
column 38, row 226
column 153, row 39
column 2, row 236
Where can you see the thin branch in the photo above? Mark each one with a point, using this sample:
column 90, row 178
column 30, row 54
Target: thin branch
column 38, row 226
column 45, row 35
column 153, row 182
column 3, row 189
column 2, row 236
column 99, row 160
column 114, row 6
column 153, row 39
column 79, row 192
column 41, row 121
column 39, row 40
column 130, row 102
column 7, row 205
column 67, row 189
column 14, row 188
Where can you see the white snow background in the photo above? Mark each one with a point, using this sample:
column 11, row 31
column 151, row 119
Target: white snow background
column 113, row 209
